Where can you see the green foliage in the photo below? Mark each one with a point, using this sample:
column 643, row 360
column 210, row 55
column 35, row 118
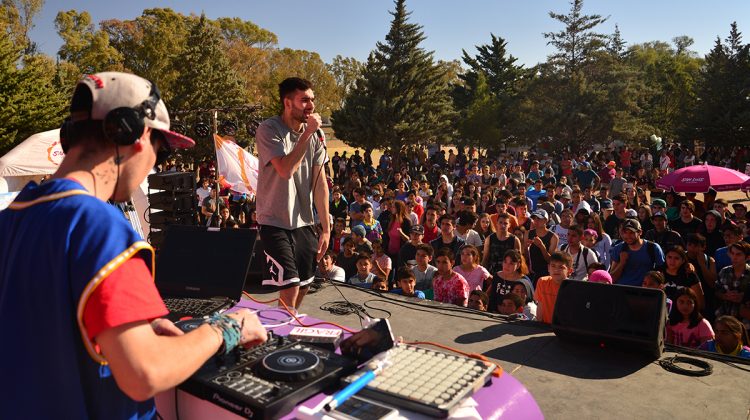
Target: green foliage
column 150, row 43
column 84, row 46
column 346, row 71
column 669, row 76
column 402, row 97
column 722, row 115
column 29, row 103
column 486, row 97
column 17, row 19
column 577, row 43
column 205, row 81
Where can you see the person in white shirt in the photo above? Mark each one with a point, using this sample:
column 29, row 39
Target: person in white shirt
column 204, row 190
column 580, row 255
column 328, row 270
column 464, row 224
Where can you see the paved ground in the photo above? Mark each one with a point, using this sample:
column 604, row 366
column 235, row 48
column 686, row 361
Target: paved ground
column 568, row 381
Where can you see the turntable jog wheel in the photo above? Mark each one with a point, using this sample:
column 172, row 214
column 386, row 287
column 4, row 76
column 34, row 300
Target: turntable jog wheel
column 290, row 365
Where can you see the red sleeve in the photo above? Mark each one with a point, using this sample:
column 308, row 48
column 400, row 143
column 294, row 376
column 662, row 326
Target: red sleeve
column 126, row 295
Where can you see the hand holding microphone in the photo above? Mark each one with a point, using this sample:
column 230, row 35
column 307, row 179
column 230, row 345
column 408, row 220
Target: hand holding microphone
column 313, row 123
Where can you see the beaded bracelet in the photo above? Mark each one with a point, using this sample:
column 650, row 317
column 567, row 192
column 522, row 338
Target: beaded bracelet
column 231, row 332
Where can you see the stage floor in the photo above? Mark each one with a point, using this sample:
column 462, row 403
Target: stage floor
column 568, row 381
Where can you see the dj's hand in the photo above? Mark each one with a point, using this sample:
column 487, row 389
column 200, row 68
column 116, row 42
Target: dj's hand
column 253, row 332
column 353, row 345
column 165, row 327
column 313, row 123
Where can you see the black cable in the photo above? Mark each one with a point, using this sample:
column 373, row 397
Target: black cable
column 671, row 364
column 437, row 308
column 158, row 416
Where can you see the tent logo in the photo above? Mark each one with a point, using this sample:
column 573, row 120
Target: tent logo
column 55, row 153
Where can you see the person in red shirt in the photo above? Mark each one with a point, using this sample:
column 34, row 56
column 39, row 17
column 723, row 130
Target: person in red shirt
column 449, row 286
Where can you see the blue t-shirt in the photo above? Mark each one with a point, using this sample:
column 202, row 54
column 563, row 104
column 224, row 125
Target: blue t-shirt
column 722, row 258
column 639, row 262
column 417, row 293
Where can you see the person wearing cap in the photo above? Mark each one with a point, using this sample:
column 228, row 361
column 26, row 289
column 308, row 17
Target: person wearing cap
column 662, row 234
column 634, row 257
column 408, row 250
column 542, row 242
column 585, row 176
column 607, row 173
column 291, row 180
column 78, row 301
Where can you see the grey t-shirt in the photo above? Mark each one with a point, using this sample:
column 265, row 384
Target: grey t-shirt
column 285, row 203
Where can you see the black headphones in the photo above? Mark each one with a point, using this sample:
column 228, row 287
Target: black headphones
column 125, row 125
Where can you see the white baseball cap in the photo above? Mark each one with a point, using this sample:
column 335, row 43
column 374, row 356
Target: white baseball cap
column 112, row 90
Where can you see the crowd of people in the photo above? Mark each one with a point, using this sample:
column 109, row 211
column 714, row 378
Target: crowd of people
column 500, row 233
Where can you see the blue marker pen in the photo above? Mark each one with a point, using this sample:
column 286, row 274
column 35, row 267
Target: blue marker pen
column 350, row 390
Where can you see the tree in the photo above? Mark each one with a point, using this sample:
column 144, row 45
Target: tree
column 346, row 71
column 205, row 81
column 668, row 76
column 83, row 45
column 498, row 67
column 150, row 43
column 492, row 103
column 722, row 115
column 577, row 43
column 402, row 97
column 17, row 19
column 29, row 103
column 480, row 125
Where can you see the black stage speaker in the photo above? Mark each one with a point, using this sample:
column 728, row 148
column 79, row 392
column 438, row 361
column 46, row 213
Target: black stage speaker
column 614, row 316
column 182, row 202
column 172, row 181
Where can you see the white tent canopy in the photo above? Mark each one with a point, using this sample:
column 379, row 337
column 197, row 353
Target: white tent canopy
column 39, row 154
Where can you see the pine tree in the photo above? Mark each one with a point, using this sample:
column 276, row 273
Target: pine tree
column 402, row 97
column 577, row 43
column 205, row 81
column 722, row 115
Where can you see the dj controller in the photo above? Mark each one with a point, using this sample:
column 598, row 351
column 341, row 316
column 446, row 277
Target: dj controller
column 267, row 381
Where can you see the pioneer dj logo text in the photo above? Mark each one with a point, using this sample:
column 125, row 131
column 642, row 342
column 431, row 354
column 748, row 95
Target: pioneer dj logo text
column 236, row 407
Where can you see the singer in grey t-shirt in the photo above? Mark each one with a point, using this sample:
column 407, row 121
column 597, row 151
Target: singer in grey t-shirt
column 291, row 155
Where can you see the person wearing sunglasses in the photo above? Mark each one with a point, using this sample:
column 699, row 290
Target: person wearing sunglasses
column 77, row 294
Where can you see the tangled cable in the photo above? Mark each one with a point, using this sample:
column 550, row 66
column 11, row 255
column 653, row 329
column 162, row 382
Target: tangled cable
column 671, row 364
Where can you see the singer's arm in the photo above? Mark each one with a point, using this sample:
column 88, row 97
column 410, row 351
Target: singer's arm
column 287, row 165
column 320, row 199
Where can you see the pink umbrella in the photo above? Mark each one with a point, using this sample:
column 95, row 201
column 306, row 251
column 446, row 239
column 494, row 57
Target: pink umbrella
column 746, row 186
column 699, row 178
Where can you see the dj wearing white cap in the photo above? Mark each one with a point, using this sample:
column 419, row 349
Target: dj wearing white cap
column 79, row 311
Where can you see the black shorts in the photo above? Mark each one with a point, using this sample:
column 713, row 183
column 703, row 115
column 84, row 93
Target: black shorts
column 290, row 255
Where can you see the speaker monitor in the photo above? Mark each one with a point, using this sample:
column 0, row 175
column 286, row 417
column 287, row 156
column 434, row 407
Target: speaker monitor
column 179, row 202
column 162, row 219
column 621, row 317
column 172, row 181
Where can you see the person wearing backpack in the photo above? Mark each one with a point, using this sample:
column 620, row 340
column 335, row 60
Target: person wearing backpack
column 634, row 257
column 581, row 255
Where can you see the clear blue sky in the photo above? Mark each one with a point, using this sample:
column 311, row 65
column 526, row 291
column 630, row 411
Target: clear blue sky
column 352, row 27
